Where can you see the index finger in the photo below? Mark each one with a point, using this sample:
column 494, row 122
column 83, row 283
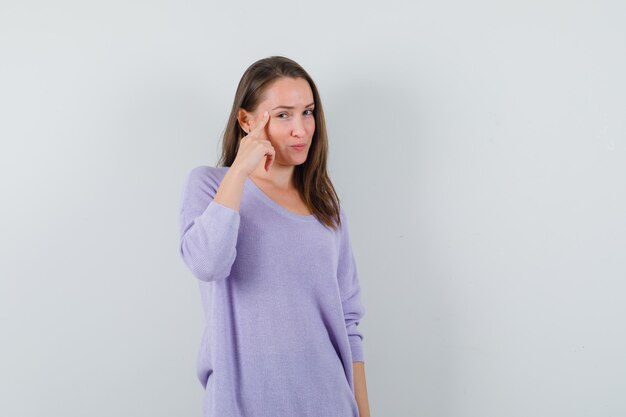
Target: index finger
column 260, row 124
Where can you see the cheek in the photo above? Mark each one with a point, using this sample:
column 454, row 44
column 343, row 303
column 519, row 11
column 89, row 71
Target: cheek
column 311, row 124
column 275, row 132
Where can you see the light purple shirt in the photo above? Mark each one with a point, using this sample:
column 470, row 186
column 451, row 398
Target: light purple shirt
column 281, row 298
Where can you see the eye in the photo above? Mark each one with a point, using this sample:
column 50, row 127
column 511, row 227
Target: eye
column 282, row 114
column 310, row 112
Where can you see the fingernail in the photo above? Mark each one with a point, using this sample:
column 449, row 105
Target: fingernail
column 266, row 113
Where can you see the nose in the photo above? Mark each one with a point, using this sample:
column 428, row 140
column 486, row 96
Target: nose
column 298, row 127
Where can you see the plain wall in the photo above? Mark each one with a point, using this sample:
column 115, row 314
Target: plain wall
column 478, row 147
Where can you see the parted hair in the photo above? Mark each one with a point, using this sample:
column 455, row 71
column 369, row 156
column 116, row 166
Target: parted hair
column 311, row 177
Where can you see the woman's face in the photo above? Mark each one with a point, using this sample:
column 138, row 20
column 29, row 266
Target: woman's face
column 290, row 104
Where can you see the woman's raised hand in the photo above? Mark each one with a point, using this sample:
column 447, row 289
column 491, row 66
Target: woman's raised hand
column 255, row 146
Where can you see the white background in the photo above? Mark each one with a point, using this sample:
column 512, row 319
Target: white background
column 478, row 147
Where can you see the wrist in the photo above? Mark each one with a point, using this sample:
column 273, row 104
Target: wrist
column 236, row 172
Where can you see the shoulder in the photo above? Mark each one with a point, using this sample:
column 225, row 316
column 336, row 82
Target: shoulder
column 201, row 184
column 342, row 211
column 343, row 216
column 207, row 172
column 206, row 176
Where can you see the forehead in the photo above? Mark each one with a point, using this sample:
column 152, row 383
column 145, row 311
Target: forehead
column 289, row 92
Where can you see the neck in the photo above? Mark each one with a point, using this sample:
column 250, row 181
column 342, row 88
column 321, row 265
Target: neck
column 279, row 176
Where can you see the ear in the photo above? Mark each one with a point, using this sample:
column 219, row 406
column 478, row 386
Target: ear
column 245, row 120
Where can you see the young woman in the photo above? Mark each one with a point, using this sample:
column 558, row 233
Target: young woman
column 266, row 237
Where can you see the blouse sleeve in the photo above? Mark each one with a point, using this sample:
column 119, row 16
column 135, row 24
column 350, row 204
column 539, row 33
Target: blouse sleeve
column 208, row 229
column 350, row 290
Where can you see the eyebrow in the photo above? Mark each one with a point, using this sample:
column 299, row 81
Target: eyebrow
column 291, row 107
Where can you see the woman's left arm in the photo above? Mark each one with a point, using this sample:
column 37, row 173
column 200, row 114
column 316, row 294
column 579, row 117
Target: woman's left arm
column 360, row 389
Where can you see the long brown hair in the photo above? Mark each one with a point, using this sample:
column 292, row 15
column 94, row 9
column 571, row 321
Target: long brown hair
column 310, row 178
